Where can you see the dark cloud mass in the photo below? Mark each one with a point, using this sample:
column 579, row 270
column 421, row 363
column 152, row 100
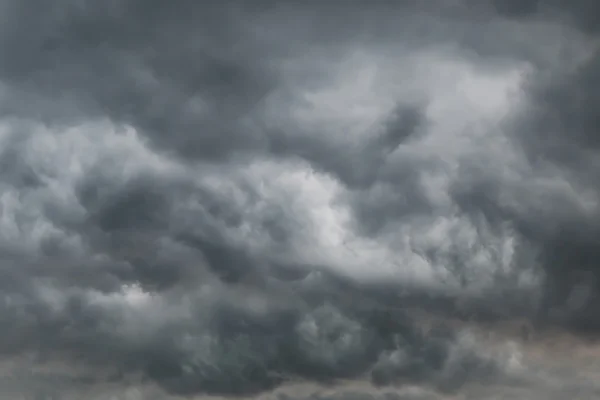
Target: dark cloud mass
column 234, row 198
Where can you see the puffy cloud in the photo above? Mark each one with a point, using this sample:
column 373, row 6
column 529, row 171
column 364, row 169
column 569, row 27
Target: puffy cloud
column 223, row 199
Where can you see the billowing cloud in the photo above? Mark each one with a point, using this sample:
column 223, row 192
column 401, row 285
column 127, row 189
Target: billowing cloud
column 231, row 199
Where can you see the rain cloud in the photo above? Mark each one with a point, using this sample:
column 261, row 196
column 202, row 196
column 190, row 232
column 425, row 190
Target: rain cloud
column 233, row 198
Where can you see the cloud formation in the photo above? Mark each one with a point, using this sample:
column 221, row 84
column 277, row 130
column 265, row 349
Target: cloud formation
column 224, row 199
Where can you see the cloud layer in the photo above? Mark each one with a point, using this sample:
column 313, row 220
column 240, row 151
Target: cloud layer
column 221, row 199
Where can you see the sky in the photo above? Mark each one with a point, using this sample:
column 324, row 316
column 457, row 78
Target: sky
column 299, row 200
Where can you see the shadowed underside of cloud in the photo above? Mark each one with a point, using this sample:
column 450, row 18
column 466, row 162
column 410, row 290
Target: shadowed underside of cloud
column 223, row 199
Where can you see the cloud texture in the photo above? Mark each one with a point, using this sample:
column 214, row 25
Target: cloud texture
column 226, row 198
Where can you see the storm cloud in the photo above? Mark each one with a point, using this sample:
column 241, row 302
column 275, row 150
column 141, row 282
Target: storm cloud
column 230, row 198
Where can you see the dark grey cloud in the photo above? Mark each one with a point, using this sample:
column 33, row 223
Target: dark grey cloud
column 227, row 198
column 556, row 134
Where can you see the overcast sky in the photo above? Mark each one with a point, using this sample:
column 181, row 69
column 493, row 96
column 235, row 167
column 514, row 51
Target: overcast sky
column 230, row 198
